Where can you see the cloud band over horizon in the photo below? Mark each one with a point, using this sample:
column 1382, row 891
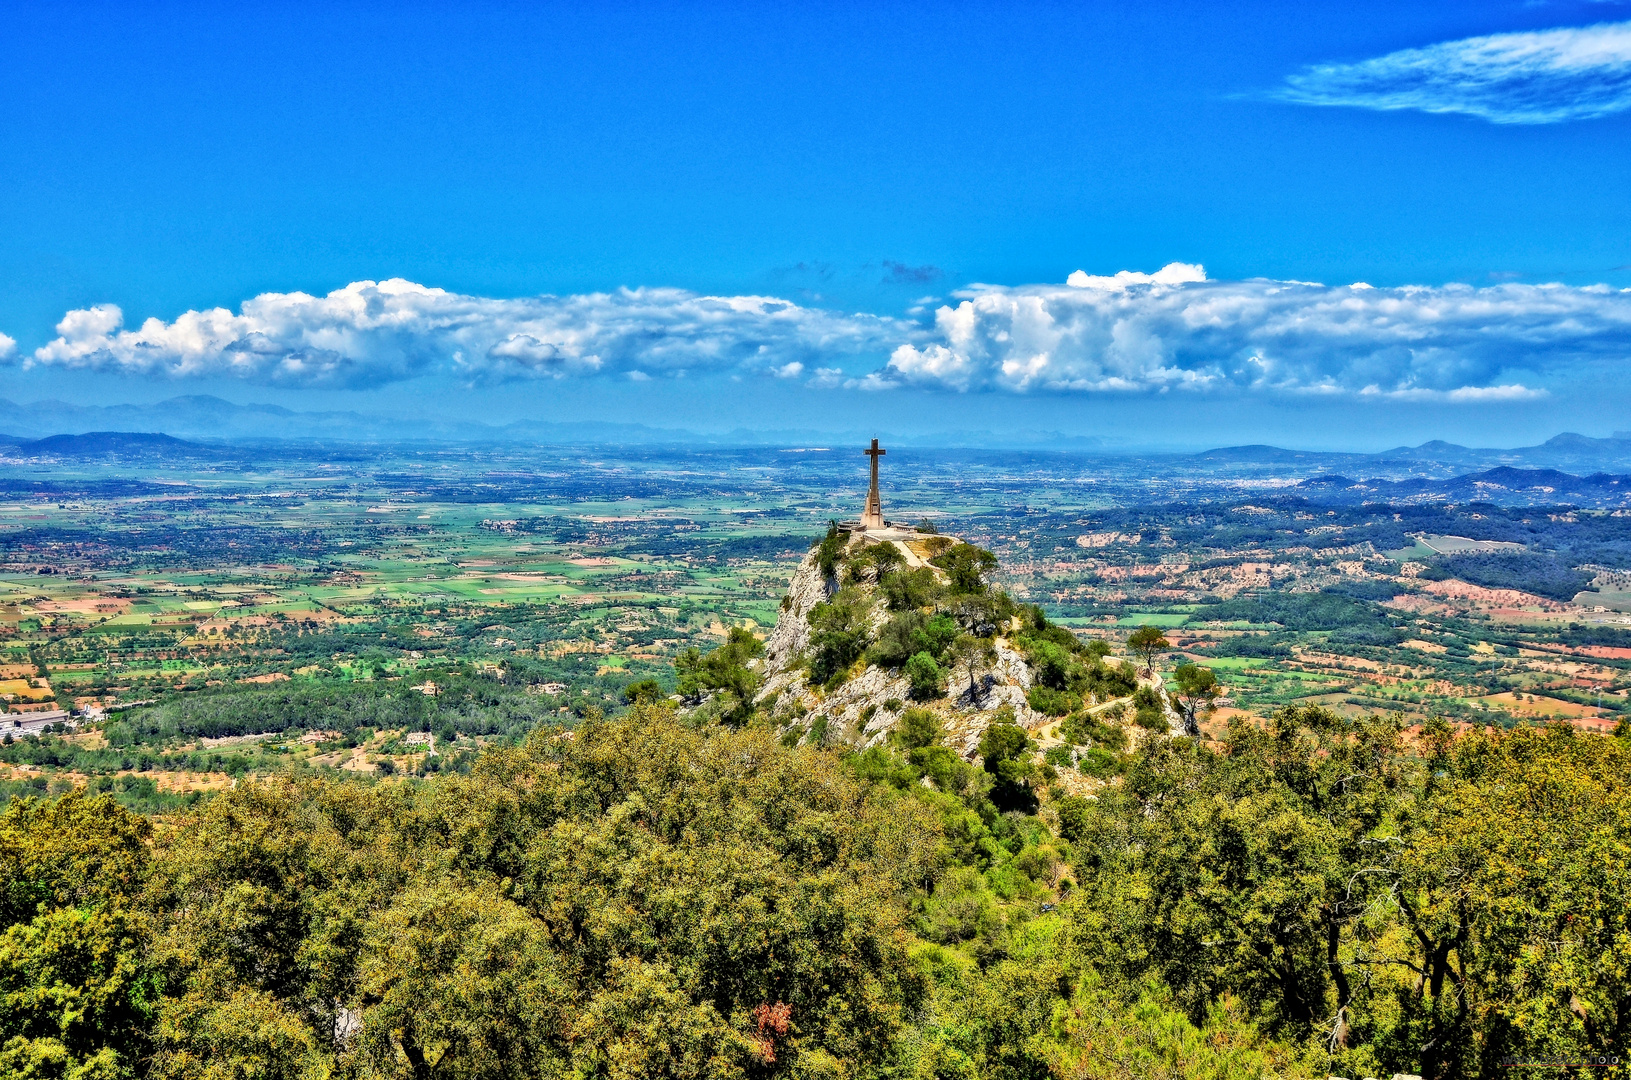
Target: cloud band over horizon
column 1126, row 333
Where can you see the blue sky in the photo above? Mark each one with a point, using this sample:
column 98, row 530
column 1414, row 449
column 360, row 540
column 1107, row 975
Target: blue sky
column 829, row 216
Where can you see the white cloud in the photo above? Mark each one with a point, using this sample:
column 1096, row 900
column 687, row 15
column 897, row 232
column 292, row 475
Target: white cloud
column 1455, row 343
column 1509, row 392
column 1538, row 77
column 1123, row 333
column 1171, row 274
column 8, row 346
column 375, row 332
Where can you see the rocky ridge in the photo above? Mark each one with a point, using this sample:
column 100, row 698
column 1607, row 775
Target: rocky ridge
column 864, row 706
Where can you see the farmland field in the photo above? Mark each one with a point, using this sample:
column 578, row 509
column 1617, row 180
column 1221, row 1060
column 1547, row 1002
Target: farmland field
column 274, row 594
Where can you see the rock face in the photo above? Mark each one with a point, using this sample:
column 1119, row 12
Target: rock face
column 863, row 709
column 792, row 634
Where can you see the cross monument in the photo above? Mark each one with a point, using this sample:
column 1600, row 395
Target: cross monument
column 873, row 517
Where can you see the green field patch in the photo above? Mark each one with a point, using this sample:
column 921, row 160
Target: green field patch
column 1234, row 663
column 1153, row 618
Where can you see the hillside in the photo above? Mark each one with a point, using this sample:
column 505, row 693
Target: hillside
column 859, row 849
column 878, row 624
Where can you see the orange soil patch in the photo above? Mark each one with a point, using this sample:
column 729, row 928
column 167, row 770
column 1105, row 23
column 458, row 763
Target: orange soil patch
column 1600, row 725
column 90, row 605
column 1600, row 652
column 1477, row 594
column 1218, row 723
column 1412, row 734
column 1416, row 604
column 270, row 677
column 1542, row 708
column 183, row 782
column 1425, row 646
column 1351, row 663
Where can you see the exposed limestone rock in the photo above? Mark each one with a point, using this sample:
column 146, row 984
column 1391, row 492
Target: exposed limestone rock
column 792, row 634
column 863, row 709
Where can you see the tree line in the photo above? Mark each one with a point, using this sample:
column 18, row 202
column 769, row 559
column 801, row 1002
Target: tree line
column 654, row 896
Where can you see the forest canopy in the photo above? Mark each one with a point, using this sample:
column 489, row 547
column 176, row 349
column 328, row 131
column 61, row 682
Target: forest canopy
column 646, row 897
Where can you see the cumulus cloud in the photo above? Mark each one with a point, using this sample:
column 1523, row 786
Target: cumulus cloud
column 370, row 333
column 1176, row 330
column 1538, row 77
column 1173, row 329
column 1170, row 274
column 8, row 347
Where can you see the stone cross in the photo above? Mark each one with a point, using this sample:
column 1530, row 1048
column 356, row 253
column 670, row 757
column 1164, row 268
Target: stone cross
column 873, row 518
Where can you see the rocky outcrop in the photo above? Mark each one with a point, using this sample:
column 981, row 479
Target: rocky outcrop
column 792, row 634
column 863, row 709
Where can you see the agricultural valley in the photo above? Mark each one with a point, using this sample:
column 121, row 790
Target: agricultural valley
column 634, row 761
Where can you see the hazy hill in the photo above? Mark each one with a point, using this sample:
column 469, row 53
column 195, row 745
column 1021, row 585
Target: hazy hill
column 1503, row 485
column 111, row 443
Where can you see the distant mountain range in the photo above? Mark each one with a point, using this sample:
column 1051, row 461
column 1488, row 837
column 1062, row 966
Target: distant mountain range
column 199, row 425
column 1505, row 486
column 1576, row 453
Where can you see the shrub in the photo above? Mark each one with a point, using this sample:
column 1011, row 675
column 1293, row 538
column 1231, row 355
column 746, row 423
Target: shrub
column 838, row 636
column 908, row 590
column 647, row 689
column 966, row 566
column 1099, row 763
column 927, row 680
column 919, row 728
column 1083, row 729
column 1051, row 702
column 831, row 549
column 1151, row 719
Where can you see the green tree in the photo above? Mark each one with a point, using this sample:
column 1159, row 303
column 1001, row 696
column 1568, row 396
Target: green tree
column 1149, row 709
column 76, row 994
column 463, row 983
column 1146, row 641
column 927, row 680
column 971, row 653
column 838, row 635
column 910, row 633
column 831, row 549
column 1075, row 814
column 642, row 898
column 919, row 728
column 966, row 566
column 1515, row 901
column 643, row 691
column 1197, row 688
column 723, row 669
column 1005, row 749
column 1268, row 869
column 873, row 563
column 911, row 590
